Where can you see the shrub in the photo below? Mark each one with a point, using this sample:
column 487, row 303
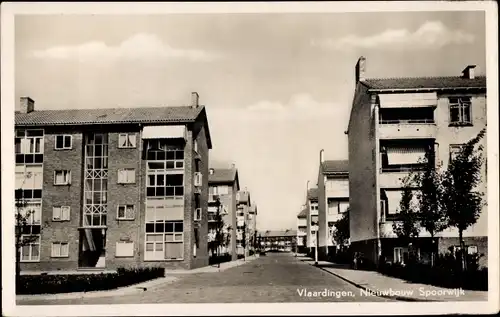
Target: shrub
column 53, row 284
column 219, row 259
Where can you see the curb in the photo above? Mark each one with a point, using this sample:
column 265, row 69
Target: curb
column 399, row 298
column 126, row 290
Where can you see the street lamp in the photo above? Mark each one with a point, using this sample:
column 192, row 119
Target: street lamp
column 317, row 229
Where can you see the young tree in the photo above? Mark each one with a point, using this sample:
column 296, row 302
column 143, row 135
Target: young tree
column 429, row 198
column 341, row 233
column 219, row 230
column 407, row 227
column 244, row 239
column 462, row 203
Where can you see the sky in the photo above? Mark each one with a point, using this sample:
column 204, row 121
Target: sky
column 277, row 87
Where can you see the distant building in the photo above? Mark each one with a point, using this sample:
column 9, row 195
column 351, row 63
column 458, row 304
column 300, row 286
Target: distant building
column 312, row 217
column 302, row 231
column 281, row 240
column 333, row 202
column 394, row 123
column 242, row 233
column 223, row 185
column 252, row 227
column 113, row 187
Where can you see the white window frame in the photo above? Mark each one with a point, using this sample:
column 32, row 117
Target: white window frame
column 472, row 249
column 125, row 208
column 198, row 179
column 35, row 243
column 56, row 250
column 66, row 173
column 124, row 255
column 129, row 143
column 64, row 146
column 64, row 213
column 128, row 179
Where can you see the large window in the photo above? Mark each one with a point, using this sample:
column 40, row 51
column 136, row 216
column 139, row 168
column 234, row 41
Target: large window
column 164, row 240
column 460, row 111
column 390, row 202
column 165, row 169
column 30, row 231
column 29, row 146
column 96, row 180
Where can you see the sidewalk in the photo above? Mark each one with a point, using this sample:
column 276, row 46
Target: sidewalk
column 390, row 287
column 140, row 287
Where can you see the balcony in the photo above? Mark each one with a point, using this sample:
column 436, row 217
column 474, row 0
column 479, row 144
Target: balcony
column 407, row 129
column 213, row 198
column 212, row 217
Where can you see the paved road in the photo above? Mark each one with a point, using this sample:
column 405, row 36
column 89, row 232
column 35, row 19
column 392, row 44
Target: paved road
column 273, row 278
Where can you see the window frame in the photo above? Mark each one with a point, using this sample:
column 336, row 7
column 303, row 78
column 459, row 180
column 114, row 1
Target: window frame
column 60, row 245
column 132, row 145
column 68, row 177
column 124, row 242
column 452, row 147
column 64, row 146
column 125, row 206
column 61, row 211
column 31, row 244
column 127, row 169
column 460, row 105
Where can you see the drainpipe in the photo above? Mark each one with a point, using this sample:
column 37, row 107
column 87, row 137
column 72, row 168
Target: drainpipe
column 375, row 107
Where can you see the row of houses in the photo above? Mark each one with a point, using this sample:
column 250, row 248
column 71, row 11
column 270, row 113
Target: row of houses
column 108, row 188
column 393, row 124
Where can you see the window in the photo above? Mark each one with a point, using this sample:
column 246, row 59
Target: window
column 398, row 255
column 333, row 207
column 61, row 213
column 124, row 249
column 197, row 214
column 127, row 140
column 60, row 250
column 29, row 176
column 164, row 240
column 472, row 249
column 460, row 111
column 343, row 206
column 126, row 212
column 63, row 142
column 223, row 190
column 62, row 177
column 195, row 146
column 126, row 176
column 30, row 251
column 29, row 141
column 455, row 150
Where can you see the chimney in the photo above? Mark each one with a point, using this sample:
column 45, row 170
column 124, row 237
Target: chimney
column 360, row 69
column 321, row 160
column 211, row 171
column 26, row 105
column 195, row 99
column 468, row 72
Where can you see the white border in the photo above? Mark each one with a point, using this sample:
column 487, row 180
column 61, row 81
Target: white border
column 7, row 118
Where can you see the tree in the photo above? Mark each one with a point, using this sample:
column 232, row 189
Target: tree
column 342, row 232
column 462, row 203
column 23, row 224
column 407, row 227
column 429, row 198
column 219, row 230
column 244, row 239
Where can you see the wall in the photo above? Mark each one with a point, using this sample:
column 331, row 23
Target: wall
column 362, row 168
column 57, row 195
column 322, row 213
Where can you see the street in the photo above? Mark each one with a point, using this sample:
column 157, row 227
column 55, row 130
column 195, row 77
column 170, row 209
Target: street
column 274, row 278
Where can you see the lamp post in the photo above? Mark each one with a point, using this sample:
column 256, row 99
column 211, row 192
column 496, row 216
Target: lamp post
column 317, row 231
column 309, row 211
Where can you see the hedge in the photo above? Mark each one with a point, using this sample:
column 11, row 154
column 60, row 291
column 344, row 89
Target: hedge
column 68, row 283
column 219, row 259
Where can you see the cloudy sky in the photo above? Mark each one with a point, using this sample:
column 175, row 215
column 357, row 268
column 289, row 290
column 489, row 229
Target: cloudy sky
column 277, row 87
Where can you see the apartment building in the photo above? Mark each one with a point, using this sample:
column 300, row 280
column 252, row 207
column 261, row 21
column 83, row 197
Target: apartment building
column 243, row 206
column 393, row 123
column 302, row 231
column 252, row 227
column 312, row 217
column 278, row 240
column 224, row 185
column 333, row 202
column 108, row 188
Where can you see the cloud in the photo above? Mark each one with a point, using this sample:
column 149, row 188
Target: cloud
column 275, row 146
column 139, row 46
column 431, row 34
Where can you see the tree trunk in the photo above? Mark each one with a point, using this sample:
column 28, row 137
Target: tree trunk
column 462, row 249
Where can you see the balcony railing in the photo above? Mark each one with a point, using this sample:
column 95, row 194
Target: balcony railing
column 390, row 169
column 407, row 121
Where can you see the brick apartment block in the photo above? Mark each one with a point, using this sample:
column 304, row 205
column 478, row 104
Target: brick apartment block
column 114, row 188
column 393, row 122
